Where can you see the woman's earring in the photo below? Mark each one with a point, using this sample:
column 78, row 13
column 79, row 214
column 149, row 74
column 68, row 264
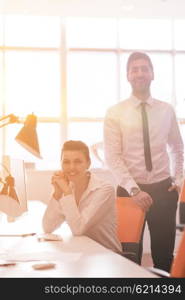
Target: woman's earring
column 88, row 173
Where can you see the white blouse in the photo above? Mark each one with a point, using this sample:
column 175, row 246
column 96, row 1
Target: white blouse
column 94, row 216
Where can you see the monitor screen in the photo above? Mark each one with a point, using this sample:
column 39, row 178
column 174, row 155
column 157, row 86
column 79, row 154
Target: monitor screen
column 16, row 169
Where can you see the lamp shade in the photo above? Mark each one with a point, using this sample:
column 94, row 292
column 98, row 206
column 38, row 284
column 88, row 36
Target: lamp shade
column 9, row 188
column 27, row 136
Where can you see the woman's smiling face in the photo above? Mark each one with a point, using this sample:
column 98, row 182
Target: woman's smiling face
column 74, row 164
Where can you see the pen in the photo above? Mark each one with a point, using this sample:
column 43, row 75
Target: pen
column 7, row 264
column 17, row 235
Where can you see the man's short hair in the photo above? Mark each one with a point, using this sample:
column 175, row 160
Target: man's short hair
column 138, row 55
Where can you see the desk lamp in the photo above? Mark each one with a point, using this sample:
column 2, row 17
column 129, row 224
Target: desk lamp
column 27, row 137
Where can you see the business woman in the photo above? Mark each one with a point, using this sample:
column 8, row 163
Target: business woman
column 84, row 201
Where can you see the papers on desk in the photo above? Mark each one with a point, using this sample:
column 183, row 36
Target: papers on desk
column 40, row 256
column 28, row 249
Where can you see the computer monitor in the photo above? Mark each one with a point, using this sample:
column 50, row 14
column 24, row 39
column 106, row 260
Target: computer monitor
column 16, row 168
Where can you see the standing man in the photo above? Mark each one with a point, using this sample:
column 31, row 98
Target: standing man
column 137, row 132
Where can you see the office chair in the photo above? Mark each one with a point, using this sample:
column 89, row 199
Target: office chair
column 178, row 265
column 130, row 221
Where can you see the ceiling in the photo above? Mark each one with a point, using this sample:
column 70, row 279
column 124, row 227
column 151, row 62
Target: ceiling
column 96, row 8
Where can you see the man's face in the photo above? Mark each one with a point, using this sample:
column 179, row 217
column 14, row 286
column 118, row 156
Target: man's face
column 140, row 75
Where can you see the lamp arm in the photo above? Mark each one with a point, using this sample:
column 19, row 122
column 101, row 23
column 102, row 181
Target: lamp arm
column 11, row 119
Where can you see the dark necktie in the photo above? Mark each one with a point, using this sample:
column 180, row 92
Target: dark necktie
column 146, row 139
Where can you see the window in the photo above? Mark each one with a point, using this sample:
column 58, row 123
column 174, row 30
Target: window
column 179, row 27
column 32, row 83
column 145, row 34
column 162, row 86
column 32, row 31
column 69, row 71
column 91, row 33
column 92, row 83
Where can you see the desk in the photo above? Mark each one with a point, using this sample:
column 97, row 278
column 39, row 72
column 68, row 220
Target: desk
column 74, row 257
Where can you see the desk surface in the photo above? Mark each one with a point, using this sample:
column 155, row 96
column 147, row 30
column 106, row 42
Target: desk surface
column 73, row 257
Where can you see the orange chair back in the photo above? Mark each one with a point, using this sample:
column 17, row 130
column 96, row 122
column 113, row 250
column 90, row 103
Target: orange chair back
column 130, row 220
column 178, row 265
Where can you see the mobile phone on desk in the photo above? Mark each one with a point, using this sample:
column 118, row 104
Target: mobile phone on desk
column 49, row 237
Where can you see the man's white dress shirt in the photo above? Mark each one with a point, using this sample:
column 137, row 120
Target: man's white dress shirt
column 123, row 143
